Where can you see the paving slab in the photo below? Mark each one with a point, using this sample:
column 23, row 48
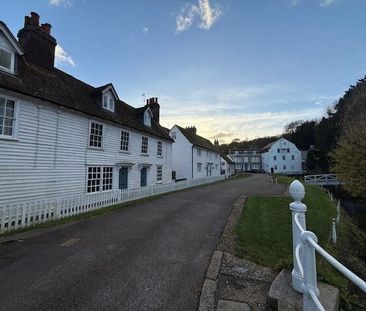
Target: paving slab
column 228, row 305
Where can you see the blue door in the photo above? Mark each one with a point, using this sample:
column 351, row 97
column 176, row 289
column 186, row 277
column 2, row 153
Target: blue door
column 143, row 177
column 123, row 178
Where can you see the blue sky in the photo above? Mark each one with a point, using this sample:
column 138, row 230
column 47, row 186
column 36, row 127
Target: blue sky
column 234, row 68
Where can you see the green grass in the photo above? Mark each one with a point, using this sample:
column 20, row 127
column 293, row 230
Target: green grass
column 265, row 236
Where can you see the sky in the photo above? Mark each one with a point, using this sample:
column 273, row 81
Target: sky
column 233, row 68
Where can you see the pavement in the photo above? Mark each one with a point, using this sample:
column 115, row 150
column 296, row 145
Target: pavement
column 150, row 256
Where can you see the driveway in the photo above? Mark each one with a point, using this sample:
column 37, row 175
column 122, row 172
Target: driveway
column 151, row 256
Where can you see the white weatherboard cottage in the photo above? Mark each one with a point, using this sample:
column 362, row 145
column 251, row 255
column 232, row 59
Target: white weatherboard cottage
column 227, row 166
column 281, row 157
column 193, row 156
column 60, row 136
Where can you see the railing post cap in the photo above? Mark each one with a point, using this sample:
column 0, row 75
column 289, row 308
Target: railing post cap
column 297, row 191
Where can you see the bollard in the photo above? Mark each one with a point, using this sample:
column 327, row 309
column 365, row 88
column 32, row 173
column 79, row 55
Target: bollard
column 297, row 192
column 339, row 211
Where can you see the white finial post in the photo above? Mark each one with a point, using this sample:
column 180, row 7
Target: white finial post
column 297, row 192
column 334, row 231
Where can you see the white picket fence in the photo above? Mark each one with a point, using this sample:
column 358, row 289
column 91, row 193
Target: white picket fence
column 25, row 214
column 305, row 243
column 322, row 179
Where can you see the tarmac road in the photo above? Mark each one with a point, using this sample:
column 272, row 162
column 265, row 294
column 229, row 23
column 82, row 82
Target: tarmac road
column 150, row 256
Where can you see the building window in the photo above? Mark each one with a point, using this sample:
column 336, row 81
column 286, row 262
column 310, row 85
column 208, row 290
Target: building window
column 93, row 183
column 174, row 135
column 144, row 144
column 7, row 117
column 125, row 139
column 108, row 102
column 216, row 167
column 99, row 178
column 107, row 178
column 288, row 150
column 284, row 158
column 199, row 152
column 159, row 173
column 160, row 148
column 96, row 135
column 199, row 167
column 278, row 150
column 284, row 167
column 274, row 158
column 292, row 157
column 275, row 167
column 6, row 60
column 147, row 118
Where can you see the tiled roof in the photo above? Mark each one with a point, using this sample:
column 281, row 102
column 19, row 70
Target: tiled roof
column 227, row 159
column 197, row 140
column 62, row 89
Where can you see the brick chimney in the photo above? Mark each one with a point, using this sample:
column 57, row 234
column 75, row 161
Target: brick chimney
column 37, row 42
column 192, row 129
column 154, row 106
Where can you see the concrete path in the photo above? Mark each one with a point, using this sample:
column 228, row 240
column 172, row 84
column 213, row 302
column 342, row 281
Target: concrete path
column 152, row 256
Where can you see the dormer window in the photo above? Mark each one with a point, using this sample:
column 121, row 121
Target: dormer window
column 147, row 118
column 108, row 102
column 6, row 60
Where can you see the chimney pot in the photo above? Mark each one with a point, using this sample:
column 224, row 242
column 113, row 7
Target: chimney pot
column 27, row 20
column 46, row 28
column 34, row 19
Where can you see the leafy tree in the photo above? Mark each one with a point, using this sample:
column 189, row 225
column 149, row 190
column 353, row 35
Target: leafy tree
column 349, row 158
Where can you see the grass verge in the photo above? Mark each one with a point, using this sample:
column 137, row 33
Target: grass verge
column 265, row 236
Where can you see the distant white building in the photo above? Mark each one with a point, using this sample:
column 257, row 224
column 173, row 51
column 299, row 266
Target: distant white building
column 193, row 156
column 281, row 157
column 227, row 166
column 246, row 160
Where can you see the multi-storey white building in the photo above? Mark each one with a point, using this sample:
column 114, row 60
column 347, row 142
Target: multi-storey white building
column 60, row 136
column 246, row 160
column 281, row 157
column 193, row 156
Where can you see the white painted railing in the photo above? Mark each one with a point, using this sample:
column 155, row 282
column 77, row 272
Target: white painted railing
column 25, row 214
column 305, row 243
column 322, row 179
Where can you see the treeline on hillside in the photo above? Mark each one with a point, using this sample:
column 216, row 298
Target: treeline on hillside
column 336, row 142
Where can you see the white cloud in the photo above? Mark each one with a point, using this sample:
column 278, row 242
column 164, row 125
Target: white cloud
column 205, row 15
column 145, row 30
column 326, row 2
column 62, row 58
column 60, row 2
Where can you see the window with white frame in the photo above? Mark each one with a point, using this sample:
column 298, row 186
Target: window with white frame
column 284, row 167
column 6, row 60
column 174, row 135
column 144, row 144
column 108, row 102
column 284, row 158
column 199, row 167
column 159, row 151
column 159, row 173
column 125, row 140
column 7, row 117
column 100, row 178
column 107, row 178
column 96, row 135
column 199, row 152
column 94, row 176
column 216, row 167
column 147, row 118
column 292, row 157
column 274, row 158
